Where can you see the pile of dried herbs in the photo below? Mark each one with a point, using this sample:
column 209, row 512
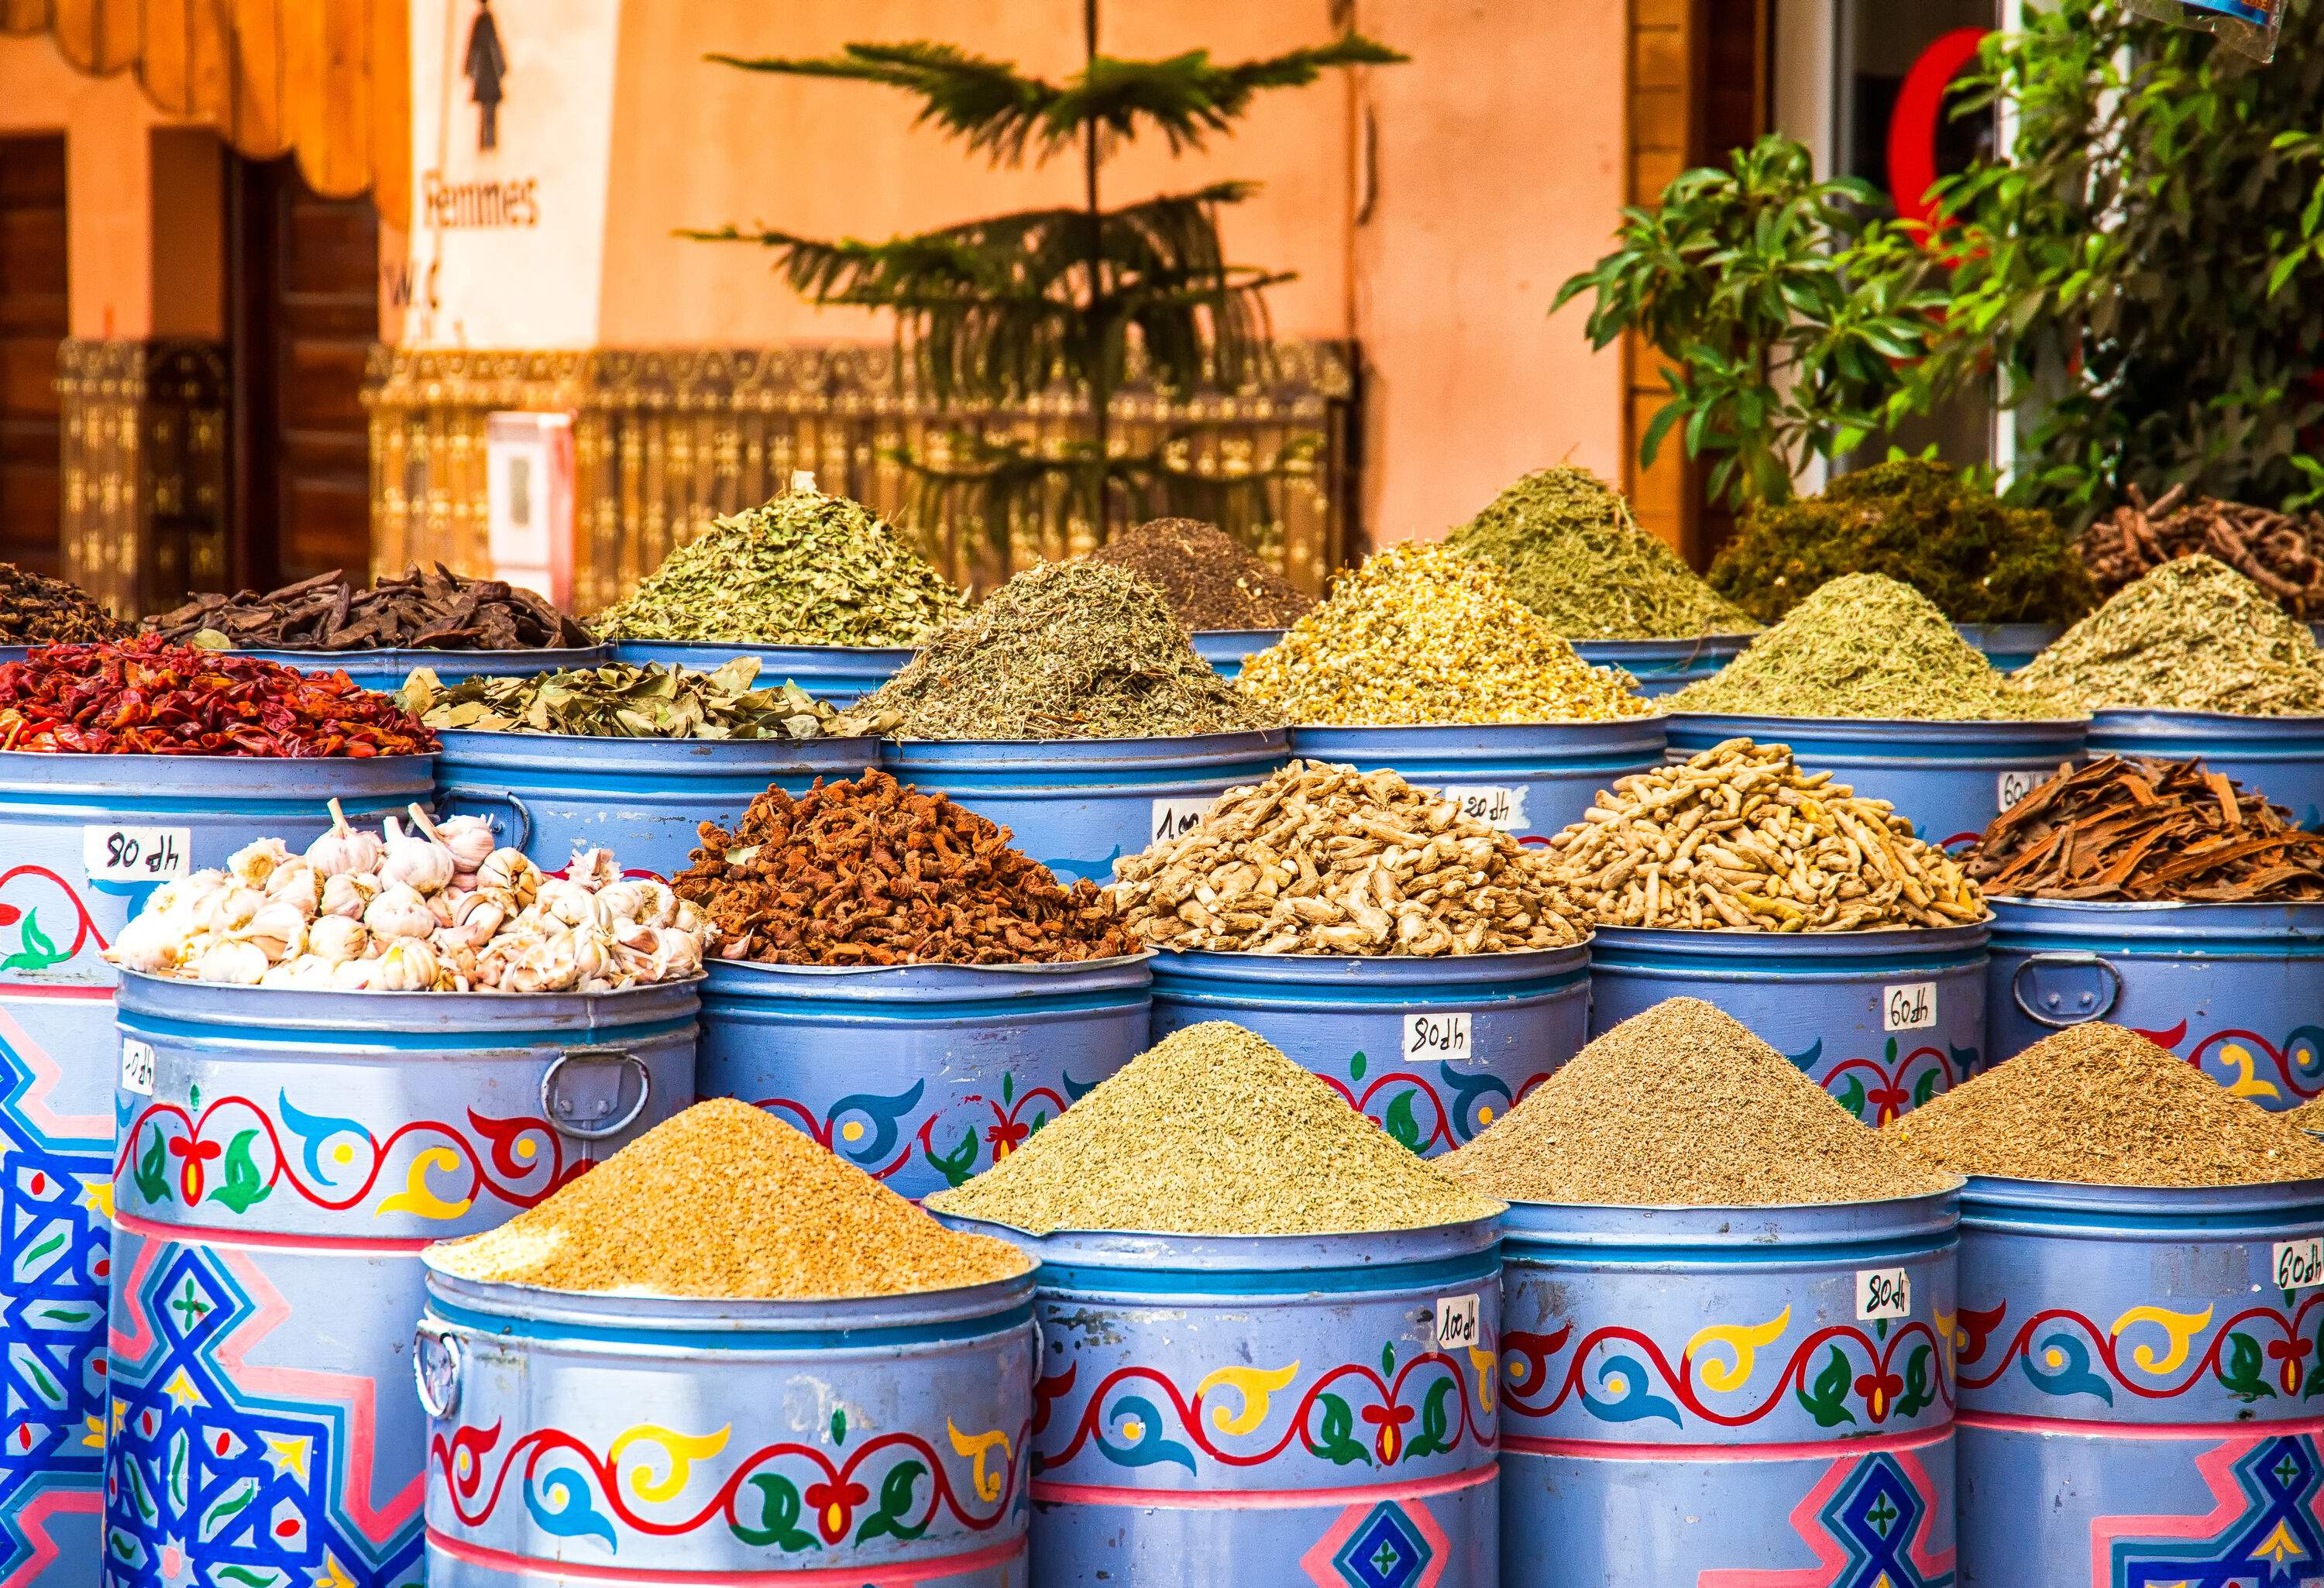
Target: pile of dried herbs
column 1206, row 576
column 1568, row 548
column 1864, row 646
column 424, row 611
column 804, row 570
column 1980, row 561
column 1421, row 634
column 621, row 701
column 2193, row 635
column 37, row 610
column 1066, row 650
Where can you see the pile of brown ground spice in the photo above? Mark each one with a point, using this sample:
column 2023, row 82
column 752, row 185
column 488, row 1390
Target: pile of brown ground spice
column 2101, row 1106
column 1208, row 578
column 874, row 873
column 1213, row 1131
column 1681, row 1106
column 725, row 1201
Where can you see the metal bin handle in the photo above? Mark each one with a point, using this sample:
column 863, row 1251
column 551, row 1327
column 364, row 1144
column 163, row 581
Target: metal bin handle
column 2066, row 957
column 435, row 1370
column 475, row 794
column 581, row 1112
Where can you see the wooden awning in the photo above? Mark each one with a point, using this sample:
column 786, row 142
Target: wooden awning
column 327, row 79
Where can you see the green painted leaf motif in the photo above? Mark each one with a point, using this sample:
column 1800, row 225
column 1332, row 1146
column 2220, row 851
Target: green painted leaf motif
column 957, row 1164
column 895, row 1505
column 1924, row 1089
column 1357, row 1065
column 1387, row 1359
column 228, row 1506
column 1855, row 1099
column 1399, row 1122
column 242, row 1187
column 839, row 1424
column 1826, row 1400
column 1335, row 1441
column 1435, row 1423
column 34, row 950
column 1008, row 1088
column 2241, row 1371
column 152, row 1174
column 779, row 1516
column 1920, row 1383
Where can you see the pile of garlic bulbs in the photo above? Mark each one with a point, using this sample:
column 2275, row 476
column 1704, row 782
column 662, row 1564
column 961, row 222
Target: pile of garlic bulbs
column 438, row 909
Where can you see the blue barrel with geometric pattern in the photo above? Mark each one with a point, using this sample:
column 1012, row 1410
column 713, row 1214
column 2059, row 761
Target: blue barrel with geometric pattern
column 920, row 1074
column 284, row 1157
column 1731, row 1396
column 85, row 840
column 584, row 1438
column 2142, row 1385
column 1258, row 1411
column 1431, row 1048
column 1883, row 1020
column 2236, row 989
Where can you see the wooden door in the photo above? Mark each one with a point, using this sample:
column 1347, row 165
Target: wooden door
column 304, row 311
column 31, row 324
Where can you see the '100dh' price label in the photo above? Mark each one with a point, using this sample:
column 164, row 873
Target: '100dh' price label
column 1175, row 819
column 1456, row 1323
column 136, row 854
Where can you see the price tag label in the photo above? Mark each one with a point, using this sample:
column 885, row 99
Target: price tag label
column 1456, row 1323
column 136, row 1066
column 1908, row 1006
column 136, row 854
column 2299, row 1264
column 1498, row 808
column 1447, row 1037
column 1883, row 1293
column 1175, row 819
column 2015, row 786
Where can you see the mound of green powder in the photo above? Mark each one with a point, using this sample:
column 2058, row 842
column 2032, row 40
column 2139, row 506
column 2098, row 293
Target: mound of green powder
column 1979, row 559
column 1066, row 650
column 804, row 570
column 1863, row 646
column 2193, row 635
column 1213, row 1131
column 1569, row 549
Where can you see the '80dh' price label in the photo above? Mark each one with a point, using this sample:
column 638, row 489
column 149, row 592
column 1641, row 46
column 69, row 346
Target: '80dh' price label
column 2299, row 1264
column 1883, row 1293
column 136, row 854
column 1449, row 1037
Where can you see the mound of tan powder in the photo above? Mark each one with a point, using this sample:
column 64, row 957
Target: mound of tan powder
column 1682, row 1106
column 725, row 1201
column 1213, row 1131
column 2101, row 1106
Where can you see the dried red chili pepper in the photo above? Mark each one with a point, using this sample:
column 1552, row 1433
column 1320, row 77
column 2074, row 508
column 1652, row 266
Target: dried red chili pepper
column 150, row 697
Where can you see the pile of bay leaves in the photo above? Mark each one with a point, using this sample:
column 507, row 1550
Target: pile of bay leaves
column 621, row 700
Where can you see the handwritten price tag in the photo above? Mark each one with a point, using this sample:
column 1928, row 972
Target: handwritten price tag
column 136, row 854
column 1456, row 1323
column 1430, row 1037
column 1175, row 819
column 2015, row 786
column 1908, row 1006
column 2299, row 1264
column 137, row 1067
column 1501, row 809
column 1883, row 1293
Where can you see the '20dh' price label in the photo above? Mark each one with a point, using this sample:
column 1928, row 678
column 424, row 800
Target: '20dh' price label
column 1908, row 1006
column 1883, row 1293
column 136, row 854
column 1499, row 807
column 1448, row 1036
column 2299, row 1264
column 1456, row 1323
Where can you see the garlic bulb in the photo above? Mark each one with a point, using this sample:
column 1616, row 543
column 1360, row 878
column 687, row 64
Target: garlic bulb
column 353, row 976
column 511, row 870
column 468, row 837
column 344, row 850
column 254, row 863
column 149, row 944
column 335, row 938
column 278, row 930
column 568, row 902
column 229, row 909
column 349, row 894
column 236, row 963
column 420, row 863
column 399, row 911
column 639, row 899
column 297, row 883
column 407, row 965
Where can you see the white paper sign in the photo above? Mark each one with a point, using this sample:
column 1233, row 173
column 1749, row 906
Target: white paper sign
column 1883, row 1293
column 2015, row 786
column 1175, row 819
column 136, row 854
column 1500, row 807
column 1456, row 1323
column 2299, row 1264
column 136, row 1066
column 1908, row 1006
column 1446, row 1036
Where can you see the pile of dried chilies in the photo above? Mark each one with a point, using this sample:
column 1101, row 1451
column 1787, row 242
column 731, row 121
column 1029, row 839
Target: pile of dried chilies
column 150, row 697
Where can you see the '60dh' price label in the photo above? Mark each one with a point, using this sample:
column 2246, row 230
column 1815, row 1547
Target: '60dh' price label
column 2299, row 1264
column 1448, row 1036
column 1883, row 1293
column 136, row 854
column 1908, row 1006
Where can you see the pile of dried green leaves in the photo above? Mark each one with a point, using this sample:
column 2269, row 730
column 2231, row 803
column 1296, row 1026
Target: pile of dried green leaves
column 621, row 701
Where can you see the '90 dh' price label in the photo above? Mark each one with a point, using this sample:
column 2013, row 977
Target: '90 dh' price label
column 1883, row 1293
column 1432, row 1037
column 1456, row 1323
column 136, row 854
column 1908, row 1006
column 1175, row 819
column 2299, row 1264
